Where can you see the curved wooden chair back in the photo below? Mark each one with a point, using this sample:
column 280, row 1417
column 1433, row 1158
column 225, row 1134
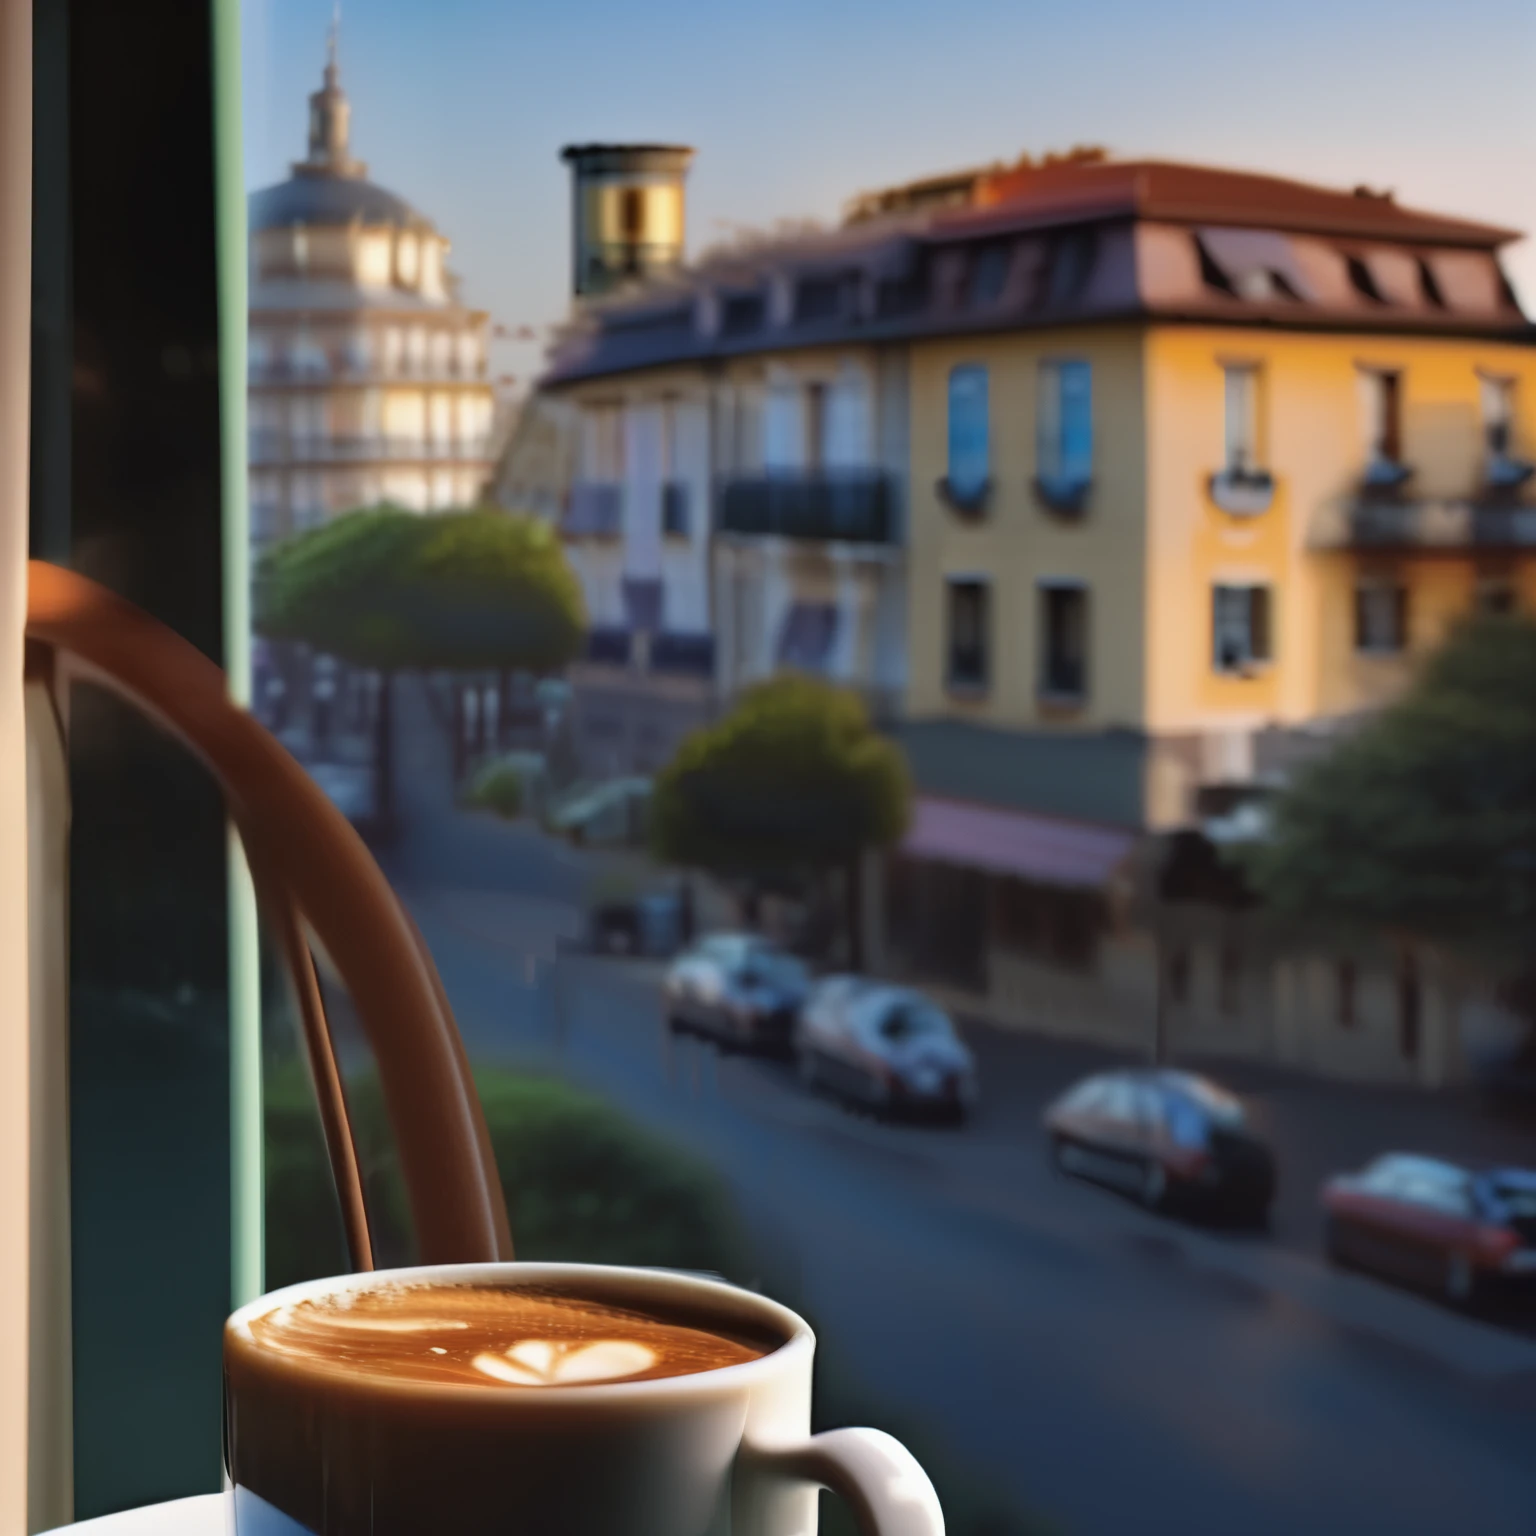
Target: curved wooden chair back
column 313, row 875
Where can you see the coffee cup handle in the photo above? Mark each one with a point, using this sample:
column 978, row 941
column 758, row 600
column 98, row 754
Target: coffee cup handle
column 873, row 1473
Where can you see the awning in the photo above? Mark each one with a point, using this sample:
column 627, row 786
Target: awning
column 1015, row 843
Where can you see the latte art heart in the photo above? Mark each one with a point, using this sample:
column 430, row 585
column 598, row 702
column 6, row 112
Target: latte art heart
column 554, row 1363
column 491, row 1337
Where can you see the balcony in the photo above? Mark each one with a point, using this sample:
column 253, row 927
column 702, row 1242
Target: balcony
column 596, row 511
column 281, row 448
column 357, row 370
column 1447, row 526
column 855, row 507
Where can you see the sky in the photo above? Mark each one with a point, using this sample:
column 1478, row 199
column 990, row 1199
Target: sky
column 462, row 106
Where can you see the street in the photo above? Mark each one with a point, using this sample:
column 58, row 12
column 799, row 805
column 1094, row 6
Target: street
column 1113, row 1370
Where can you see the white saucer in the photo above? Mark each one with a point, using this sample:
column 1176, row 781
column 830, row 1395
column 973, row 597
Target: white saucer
column 204, row 1515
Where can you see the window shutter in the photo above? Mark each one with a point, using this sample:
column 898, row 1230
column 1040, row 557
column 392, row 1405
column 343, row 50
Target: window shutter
column 1400, row 616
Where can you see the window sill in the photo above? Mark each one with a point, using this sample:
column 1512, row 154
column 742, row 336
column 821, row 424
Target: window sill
column 1060, row 702
column 969, row 693
column 1064, row 496
column 1243, row 493
column 1248, row 670
column 971, row 504
column 1381, row 652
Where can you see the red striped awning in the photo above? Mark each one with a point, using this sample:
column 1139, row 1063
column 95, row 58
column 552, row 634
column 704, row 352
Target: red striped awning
column 1015, row 843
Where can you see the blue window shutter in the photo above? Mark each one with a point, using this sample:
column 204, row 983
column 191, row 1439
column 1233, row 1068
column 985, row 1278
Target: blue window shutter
column 1076, row 421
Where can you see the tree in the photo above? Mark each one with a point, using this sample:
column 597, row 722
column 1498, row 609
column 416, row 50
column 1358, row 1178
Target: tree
column 1423, row 822
column 391, row 591
column 793, row 781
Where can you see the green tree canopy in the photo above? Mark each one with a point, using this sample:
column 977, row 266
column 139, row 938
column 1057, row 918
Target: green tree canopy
column 390, row 589
column 794, row 778
column 1423, row 822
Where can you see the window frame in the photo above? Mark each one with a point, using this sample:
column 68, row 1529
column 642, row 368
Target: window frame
column 967, row 491
column 1055, row 466
column 953, row 681
column 1255, row 659
column 1046, row 589
column 1243, row 460
column 1370, row 586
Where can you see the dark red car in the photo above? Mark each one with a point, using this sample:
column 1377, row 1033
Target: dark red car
column 1434, row 1225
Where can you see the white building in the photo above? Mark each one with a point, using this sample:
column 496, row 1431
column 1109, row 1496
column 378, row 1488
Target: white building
column 368, row 378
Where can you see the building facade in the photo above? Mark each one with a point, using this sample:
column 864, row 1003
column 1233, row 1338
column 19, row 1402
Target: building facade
column 368, row 376
column 1178, row 471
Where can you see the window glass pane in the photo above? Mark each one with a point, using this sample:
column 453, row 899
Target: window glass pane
column 968, row 640
column 1076, row 421
column 1241, row 418
column 1048, row 421
column 969, row 464
column 1064, row 613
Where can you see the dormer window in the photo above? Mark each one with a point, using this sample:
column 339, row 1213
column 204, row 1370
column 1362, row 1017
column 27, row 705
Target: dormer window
column 989, row 275
column 818, row 298
column 1504, row 470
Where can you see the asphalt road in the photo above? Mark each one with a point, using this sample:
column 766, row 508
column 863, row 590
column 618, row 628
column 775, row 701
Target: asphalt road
column 1118, row 1372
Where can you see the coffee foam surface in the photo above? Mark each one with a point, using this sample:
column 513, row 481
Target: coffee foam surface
column 497, row 1337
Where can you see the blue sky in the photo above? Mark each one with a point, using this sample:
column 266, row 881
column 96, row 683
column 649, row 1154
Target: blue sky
column 461, row 106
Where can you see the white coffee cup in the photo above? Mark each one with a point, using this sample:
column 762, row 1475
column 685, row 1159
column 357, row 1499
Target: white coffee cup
column 706, row 1454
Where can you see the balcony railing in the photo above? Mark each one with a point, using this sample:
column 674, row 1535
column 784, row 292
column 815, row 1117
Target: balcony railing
column 1429, row 525
column 358, row 371
column 284, row 448
column 855, row 506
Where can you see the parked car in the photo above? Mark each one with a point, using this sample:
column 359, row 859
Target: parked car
column 737, row 988
column 1168, row 1138
column 886, row 1047
column 611, row 814
column 1434, row 1225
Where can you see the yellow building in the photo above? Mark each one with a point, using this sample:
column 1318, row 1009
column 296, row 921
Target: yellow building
column 1198, row 468
column 1121, row 487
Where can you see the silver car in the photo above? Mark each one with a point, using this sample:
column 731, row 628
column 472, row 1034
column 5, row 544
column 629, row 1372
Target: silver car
column 736, row 988
column 885, row 1047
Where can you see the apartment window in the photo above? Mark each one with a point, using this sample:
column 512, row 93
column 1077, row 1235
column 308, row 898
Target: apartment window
column 605, row 444
column 1064, row 639
column 815, row 427
column 1064, row 423
column 989, row 275
column 1381, row 615
column 968, row 625
column 632, row 214
column 1346, row 984
column 806, row 640
column 1384, row 415
column 1240, row 626
column 969, row 465
column 1242, row 419
column 1498, row 396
